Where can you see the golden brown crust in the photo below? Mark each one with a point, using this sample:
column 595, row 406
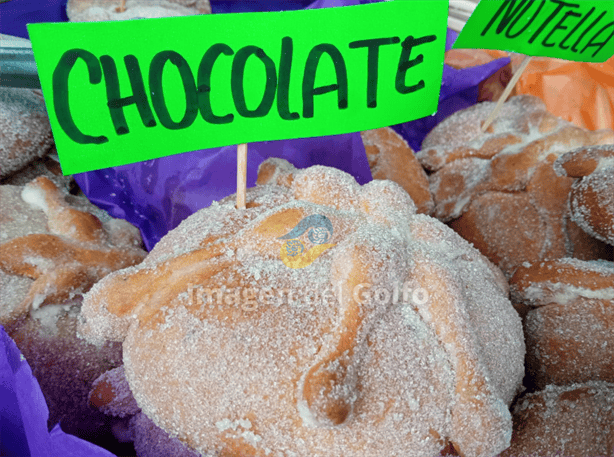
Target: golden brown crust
column 591, row 200
column 592, row 204
column 583, row 161
column 517, row 157
column 574, row 273
column 568, row 309
column 70, row 259
column 390, row 157
column 501, row 226
column 573, row 420
column 571, row 342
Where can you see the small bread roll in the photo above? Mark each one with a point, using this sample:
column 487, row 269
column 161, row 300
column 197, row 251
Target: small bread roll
column 53, row 247
column 26, row 133
column 575, row 420
column 568, row 309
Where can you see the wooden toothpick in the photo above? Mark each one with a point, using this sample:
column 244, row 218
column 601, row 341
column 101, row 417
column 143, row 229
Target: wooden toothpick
column 122, row 6
column 241, row 174
column 506, row 93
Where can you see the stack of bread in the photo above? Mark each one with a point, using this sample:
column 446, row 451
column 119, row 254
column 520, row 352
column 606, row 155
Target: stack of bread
column 329, row 318
column 462, row 303
column 535, row 194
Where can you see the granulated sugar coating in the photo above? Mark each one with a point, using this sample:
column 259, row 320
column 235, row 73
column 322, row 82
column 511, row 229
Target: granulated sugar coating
column 26, row 133
column 592, row 205
column 150, row 440
column 591, row 200
column 568, row 306
column 572, row 420
column 62, row 247
column 499, row 189
column 100, row 10
column 326, row 319
column 52, row 247
column 390, row 157
column 65, row 366
column 16, row 219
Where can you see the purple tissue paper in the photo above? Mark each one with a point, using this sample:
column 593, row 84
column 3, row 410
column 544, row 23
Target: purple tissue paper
column 24, row 413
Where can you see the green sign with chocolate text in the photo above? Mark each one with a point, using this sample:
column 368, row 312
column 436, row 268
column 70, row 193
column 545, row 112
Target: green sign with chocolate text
column 580, row 30
column 130, row 91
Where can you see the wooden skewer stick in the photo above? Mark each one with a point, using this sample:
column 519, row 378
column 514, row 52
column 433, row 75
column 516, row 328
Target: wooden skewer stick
column 506, row 93
column 241, row 174
column 122, row 6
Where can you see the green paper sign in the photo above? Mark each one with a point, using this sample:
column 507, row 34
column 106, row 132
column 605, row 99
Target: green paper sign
column 580, row 30
column 125, row 92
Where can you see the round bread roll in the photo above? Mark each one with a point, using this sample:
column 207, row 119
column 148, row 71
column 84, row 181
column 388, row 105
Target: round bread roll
column 568, row 309
column 575, row 420
column 499, row 190
column 325, row 319
column 591, row 200
column 26, row 133
column 111, row 10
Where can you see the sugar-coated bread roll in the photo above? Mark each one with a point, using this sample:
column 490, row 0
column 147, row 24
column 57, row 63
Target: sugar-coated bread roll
column 53, row 247
column 591, row 200
column 572, row 421
column 499, row 190
column 325, row 319
column 390, row 157
column 61, row 248
column 568, row 309
column 26, row 133
column 111, row 10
